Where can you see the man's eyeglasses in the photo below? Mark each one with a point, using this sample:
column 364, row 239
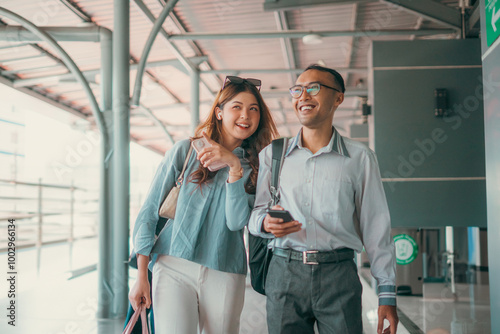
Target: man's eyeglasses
column 312, row 89
column 237, row 80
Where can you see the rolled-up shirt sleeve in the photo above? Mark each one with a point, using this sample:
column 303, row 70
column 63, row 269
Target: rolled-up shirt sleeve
column 375, row 226
column 263, row 194
column 145, row 225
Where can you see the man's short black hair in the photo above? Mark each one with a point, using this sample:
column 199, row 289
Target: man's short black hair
column 336, row 75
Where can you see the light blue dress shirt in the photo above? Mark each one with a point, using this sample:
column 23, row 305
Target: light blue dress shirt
column 209, row 222
column 337, row 195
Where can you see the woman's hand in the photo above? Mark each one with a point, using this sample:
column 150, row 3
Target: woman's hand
column 218, row 153
column 140, row 293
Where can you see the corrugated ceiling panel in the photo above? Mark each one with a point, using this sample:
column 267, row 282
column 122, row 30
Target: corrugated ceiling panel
column 328, row 17
column 233, row 16
column 10, row 50
column 42, row 13
column 203, row 16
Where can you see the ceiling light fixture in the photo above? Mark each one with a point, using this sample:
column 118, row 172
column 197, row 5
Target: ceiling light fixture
column 312, row 39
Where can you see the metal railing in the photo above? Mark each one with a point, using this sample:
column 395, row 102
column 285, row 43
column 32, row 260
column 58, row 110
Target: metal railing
column 47, row 213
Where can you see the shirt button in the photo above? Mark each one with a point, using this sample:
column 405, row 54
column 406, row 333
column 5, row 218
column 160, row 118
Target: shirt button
column 306, row 204
column 309, row 223
column 308, row 180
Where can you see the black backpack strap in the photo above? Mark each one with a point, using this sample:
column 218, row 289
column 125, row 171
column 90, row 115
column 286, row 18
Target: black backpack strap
column 279, row 147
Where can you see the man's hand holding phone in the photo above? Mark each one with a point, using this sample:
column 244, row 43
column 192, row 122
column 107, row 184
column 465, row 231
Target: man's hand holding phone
column 281, row 224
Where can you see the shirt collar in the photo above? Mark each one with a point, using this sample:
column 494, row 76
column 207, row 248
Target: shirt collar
column 239, row 152
column 336, row 144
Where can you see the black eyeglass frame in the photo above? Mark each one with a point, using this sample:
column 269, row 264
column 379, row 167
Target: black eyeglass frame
column 311, row 83
column 237, row 80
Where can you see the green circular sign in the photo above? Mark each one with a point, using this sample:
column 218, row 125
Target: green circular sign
column 406, row 249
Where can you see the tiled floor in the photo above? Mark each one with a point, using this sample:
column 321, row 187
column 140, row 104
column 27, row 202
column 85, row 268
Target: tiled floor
column 47, row 302
column 438, row 311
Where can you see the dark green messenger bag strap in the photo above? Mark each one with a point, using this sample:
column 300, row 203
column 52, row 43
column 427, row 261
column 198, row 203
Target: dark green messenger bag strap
column 259, row 253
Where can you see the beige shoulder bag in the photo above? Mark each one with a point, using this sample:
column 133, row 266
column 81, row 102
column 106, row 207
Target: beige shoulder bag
column 167, row 209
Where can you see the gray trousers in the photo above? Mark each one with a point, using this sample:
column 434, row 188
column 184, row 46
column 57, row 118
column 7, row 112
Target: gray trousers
column 298, row 295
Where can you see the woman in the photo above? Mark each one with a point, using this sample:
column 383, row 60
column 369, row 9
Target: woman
column 199, row 275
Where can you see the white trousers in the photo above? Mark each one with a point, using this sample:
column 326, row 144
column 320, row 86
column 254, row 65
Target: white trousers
column 189, row 298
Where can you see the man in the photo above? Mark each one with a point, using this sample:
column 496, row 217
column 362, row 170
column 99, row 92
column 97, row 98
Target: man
column 332, row 187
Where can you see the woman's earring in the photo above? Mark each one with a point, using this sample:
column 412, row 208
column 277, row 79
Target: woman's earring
column 219, row 116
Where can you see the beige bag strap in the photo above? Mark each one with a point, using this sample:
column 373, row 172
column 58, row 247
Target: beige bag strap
column 180, row 179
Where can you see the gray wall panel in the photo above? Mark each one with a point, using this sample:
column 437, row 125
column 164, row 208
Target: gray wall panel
column 411, row 142
column 436, row 203
column 409, row 138
column 426, row 53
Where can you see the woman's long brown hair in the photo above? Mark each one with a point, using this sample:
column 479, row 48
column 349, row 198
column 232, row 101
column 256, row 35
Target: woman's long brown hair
column 265, row 133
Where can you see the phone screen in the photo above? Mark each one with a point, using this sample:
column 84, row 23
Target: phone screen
column 283, row 214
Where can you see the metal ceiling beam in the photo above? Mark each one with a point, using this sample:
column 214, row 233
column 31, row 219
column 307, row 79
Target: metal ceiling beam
column 105, row 36
column 270, row 5
column 180, row 25
column 41, row 35
column 286, row 44
column 473, row 19
column 194, row 102
column 149, row 113
column 44, row 98
column 432, row 10
column 177, row 105
column 278, row 70
column 34, row 69
column 77, row 10
column 178, row 54
column 134, row 65
column 3, row 61
column 60, row 34
column 281, row 110
column 147, row 49
column 10, row 46
column 302, row 33
column 89, row 73
column 353, row 43
column 171, row 62
column 157, row 81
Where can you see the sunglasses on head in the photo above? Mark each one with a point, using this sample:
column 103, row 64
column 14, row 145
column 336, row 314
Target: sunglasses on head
column 237, row 80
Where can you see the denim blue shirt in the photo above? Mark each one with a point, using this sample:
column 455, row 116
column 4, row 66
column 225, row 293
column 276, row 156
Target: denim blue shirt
column 208, row 224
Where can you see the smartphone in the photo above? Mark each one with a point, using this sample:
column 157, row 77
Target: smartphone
column 283, row 214
column 198, row 145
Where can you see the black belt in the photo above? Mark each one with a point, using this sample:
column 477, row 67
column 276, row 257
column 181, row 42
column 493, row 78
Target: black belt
column 316, row 257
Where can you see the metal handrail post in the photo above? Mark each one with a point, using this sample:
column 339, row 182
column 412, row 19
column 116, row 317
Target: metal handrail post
column 40, row 215
column 39, row 229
